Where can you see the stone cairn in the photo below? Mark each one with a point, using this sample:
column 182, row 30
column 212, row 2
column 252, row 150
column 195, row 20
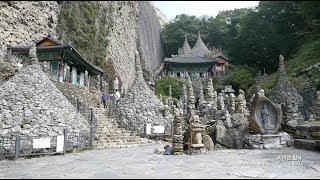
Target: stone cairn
column 220, row 102
column 210, row 93
column 201, row 103
column 184, row 100
column 285, row 93
column 140, row 106
column 33, row 54
column 232, row 101
column 177, row 140
column 191, row 101
column 318, row 106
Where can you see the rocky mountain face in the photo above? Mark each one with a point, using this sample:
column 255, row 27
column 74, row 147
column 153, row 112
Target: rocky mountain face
column 162, row 17
column 128, row 26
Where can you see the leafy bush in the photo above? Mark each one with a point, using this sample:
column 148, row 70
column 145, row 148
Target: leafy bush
column 242, row 79
column 162, row 86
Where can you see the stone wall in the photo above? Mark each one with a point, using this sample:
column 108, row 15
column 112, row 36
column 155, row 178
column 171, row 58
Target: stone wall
column 30, row 104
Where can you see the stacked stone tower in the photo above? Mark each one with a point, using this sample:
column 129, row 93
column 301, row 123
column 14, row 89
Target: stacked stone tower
column 177, row 140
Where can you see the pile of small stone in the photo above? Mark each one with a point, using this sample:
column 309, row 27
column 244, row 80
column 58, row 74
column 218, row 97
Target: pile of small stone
column 177, row 141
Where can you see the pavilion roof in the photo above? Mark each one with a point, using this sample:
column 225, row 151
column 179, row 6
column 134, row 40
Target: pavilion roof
column 56, row 53
column 192, row 59
column 185, row 49
column 200, row 48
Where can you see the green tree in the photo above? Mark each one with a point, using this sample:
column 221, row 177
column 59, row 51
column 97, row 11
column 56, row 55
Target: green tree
column 242, row 79
column 163, row 85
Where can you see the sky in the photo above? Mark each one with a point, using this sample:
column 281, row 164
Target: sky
column 199, row 8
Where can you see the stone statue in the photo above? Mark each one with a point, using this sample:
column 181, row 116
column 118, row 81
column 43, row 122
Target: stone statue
column 265, row 117
column 228, row 120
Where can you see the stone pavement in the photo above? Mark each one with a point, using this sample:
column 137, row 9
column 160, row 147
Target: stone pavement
column 142, row 162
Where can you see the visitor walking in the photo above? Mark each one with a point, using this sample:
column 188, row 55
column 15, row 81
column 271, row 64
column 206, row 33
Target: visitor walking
column 117, row 97
column 104, row 100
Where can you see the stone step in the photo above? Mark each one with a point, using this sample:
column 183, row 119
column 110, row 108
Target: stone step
column 307, row 144
column 112, row 133
column 107, row 127
column 116, row 146
column 128, row 138
column 104, row 146
column 119, row 142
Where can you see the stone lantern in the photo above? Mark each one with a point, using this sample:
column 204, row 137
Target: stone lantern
column 195, row 133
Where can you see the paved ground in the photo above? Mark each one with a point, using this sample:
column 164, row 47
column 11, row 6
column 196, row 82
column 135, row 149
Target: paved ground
column 142, row 162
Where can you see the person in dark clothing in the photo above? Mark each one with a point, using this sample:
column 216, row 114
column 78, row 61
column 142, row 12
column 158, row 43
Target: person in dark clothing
column 197, row 103
column 104, row 100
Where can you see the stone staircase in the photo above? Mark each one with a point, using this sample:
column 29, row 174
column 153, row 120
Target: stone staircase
column 110, row 135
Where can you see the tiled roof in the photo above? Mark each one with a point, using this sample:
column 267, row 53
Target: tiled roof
column 193, row 59
column 185, row 49
column 200, row 48
column 220, row 54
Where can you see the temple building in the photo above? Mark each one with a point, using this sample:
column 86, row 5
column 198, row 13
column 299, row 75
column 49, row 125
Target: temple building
column 58, row 59
column 197, row 61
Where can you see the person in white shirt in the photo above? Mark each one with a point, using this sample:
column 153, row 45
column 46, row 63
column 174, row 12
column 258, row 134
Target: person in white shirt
column 117, row 97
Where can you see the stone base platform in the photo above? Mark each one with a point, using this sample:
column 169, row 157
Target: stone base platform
column 194, row 151
column 270, row 141
column 309, row 130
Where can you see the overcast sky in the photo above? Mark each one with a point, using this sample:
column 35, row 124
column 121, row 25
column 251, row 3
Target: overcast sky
column 199, row 8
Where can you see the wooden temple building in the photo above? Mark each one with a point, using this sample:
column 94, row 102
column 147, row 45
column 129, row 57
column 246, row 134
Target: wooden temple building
column 197, row 61
column 59, row 59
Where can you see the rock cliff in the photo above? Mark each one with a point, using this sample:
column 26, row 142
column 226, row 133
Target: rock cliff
column 127, row 26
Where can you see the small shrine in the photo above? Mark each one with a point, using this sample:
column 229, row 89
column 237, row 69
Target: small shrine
column 62, row 62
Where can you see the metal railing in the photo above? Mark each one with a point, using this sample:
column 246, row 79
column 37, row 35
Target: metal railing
column 22, row 146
